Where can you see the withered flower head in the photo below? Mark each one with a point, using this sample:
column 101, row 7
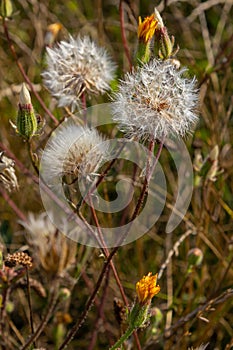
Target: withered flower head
column 52, row 250
column 7, row 173
column 18, row 258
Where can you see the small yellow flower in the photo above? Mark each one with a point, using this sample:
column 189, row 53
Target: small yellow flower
column 147, row 28
column 52, row 33
column 147, row 288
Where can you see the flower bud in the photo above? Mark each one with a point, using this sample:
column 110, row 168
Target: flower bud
column 156, row 318
column 52, row 33
column 163, row 45
column 26, row 119
column 214, row 153
column 6, row 8
column 9, row 307
column 198, row 161
column 195, row 257
column 24, row 96
column 64, row 294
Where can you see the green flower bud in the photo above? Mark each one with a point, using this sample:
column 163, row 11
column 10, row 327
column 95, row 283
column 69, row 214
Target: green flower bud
column 6, row 8
column 26, row 122
column 9, row 307
column 64, row 294
column 195, row 257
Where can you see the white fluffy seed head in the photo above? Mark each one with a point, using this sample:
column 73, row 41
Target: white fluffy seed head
column 74, row 150
column 77, row 66
column 156, row 100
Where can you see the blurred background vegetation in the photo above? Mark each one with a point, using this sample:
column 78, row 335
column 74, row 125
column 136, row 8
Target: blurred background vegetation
column 204, row 32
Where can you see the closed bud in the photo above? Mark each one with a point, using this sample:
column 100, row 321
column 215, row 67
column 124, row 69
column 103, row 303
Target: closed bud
column 198, row 161
column 52, row 33
column 195, row 257
column 64, row 294
column 6, row 8
column 164, row 44
column 214, row 153
column 26, row 122
column 24, row 96
column 9, row 307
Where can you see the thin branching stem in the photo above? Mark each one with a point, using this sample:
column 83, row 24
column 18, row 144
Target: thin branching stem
column 30, row 304
column 123, row 34
column 100, row 312
column 32, row 157
column 12, row 204
column 49, row 312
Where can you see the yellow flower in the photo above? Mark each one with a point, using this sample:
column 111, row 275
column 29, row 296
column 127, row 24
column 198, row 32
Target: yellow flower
column 147, row 288
column 147, row 28
column 52, row 33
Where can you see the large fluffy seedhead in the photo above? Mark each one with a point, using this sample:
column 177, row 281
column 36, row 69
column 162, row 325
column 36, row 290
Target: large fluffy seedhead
column 156, row 100
column 77, row 66
column 74, row 150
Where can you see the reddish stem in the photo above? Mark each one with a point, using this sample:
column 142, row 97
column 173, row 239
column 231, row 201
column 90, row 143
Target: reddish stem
column 123, row 34
column 100, row 314
column 12, row 204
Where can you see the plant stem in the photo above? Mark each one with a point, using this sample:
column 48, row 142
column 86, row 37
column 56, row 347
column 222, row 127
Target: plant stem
column 12, row 204
column 125, row 336
column 123, row 35
column 100, row 314
column 106, row 253
column 89, row 304
column 45, row 319
column 30, row 304
column 32, row 156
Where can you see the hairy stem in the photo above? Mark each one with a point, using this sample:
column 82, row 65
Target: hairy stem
column 124, row 337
